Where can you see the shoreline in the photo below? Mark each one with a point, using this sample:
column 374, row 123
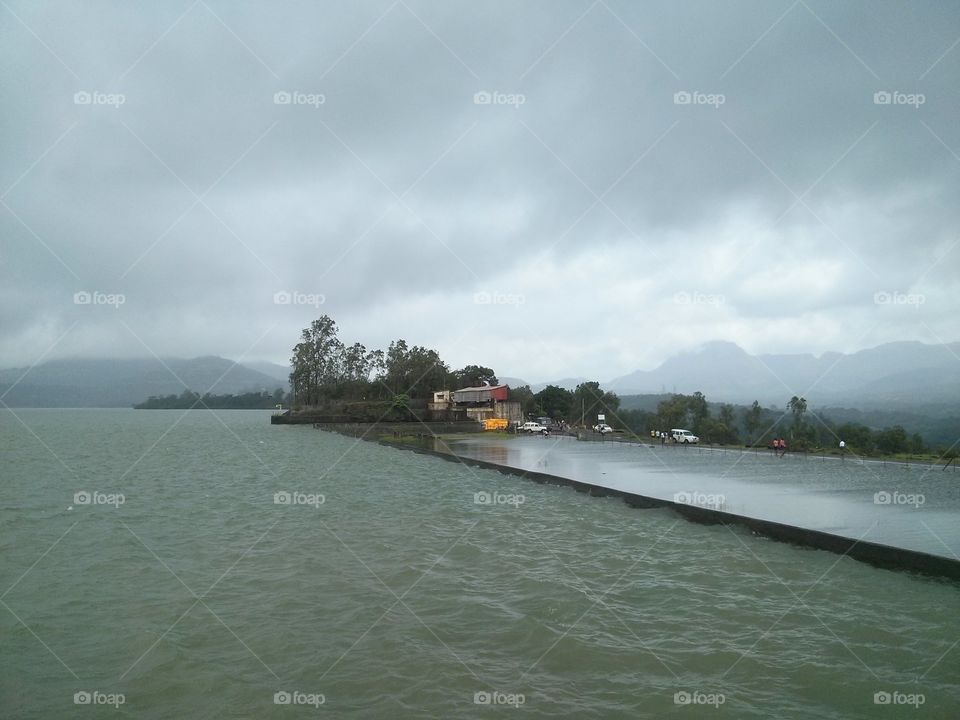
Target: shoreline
column 875, row 554
column 933, row 463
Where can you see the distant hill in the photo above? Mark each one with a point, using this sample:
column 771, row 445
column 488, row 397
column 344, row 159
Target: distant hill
column 122, row 383
column 566, row 383
column 278, row 372
column 512, row 381
column 902, row 374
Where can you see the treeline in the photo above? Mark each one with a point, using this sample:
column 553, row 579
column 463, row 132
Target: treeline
column 756, row 425
column 326, row 369
column 577, row 407
column 189, row 399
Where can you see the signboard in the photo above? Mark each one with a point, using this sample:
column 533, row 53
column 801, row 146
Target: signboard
column 601, row 417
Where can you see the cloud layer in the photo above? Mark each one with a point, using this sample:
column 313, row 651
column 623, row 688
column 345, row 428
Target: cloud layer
column 553, row 189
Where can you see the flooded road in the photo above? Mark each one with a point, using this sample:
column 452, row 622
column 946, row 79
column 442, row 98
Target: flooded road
column 915, row 507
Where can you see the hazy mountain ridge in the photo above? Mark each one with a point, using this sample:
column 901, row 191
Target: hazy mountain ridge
column 121, row 383
column 895, row 375
column 902, row 372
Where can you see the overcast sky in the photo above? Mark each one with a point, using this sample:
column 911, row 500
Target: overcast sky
column 550, row 188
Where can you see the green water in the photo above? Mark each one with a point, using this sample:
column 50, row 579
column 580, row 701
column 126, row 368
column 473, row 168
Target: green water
column 399, row 596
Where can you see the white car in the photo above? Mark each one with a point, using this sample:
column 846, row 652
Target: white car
column 534, row 427
column 602, row 428
column 684, row 437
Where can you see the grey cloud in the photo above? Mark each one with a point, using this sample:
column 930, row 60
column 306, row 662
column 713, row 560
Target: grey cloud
column 489, row 193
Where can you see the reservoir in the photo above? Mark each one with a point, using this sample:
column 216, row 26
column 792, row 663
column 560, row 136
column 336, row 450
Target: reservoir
column 269, row 571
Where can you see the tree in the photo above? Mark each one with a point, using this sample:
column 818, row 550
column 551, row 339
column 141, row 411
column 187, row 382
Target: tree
column 317, row 361
column 893, row 440
column 752, row 418
column 856, row 437
column 474, row 376
column 671, row 413
column 523, row 395
column 415, row 371
column 797, row 406
column 356, row 363
column 639, row 421
column 727, row 422
column 553, row 402
column 918, row 445
column 590, row 400
column 697, row 411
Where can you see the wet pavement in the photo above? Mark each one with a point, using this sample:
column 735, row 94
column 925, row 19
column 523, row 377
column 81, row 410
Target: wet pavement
column 916, row 507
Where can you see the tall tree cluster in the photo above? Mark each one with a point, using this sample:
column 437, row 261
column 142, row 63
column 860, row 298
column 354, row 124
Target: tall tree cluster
column 325, row 369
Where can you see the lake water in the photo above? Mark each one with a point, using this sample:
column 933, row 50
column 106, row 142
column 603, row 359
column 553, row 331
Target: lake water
column 221, row 586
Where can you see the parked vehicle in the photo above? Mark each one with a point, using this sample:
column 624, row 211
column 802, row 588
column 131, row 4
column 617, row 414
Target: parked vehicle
column 534, row 427
column 684, row 437
column 602, row 428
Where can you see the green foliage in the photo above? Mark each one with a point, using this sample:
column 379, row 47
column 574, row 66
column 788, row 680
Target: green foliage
column 326, row 370
column 590, row 400
column 752, row 419
column 189, row 399
column 553, row 402
column 672, row 413
column 414, row 371
column 686, row 411
column 639, row 422
column 797, row 406
column 893, row 440
column 473, row 376
column 523, row 395
column 858, row 438
column 724, row 429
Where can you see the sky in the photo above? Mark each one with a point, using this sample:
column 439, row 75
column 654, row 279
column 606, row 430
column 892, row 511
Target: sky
column 552, row 189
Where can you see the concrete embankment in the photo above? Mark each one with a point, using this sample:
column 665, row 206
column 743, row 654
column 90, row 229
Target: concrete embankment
column 879, row 555
column 348, row 425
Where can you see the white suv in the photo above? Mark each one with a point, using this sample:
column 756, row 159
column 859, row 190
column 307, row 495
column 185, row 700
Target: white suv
column 602, row 428
column 534, row 427
column 685, row 437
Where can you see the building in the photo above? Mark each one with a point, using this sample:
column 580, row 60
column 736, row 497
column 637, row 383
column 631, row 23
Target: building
column 482, row 394
column 475, row 403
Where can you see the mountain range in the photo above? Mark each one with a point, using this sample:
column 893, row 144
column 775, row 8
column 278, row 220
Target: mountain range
column 895, row 375
column 902, row 374
column 121, row 383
